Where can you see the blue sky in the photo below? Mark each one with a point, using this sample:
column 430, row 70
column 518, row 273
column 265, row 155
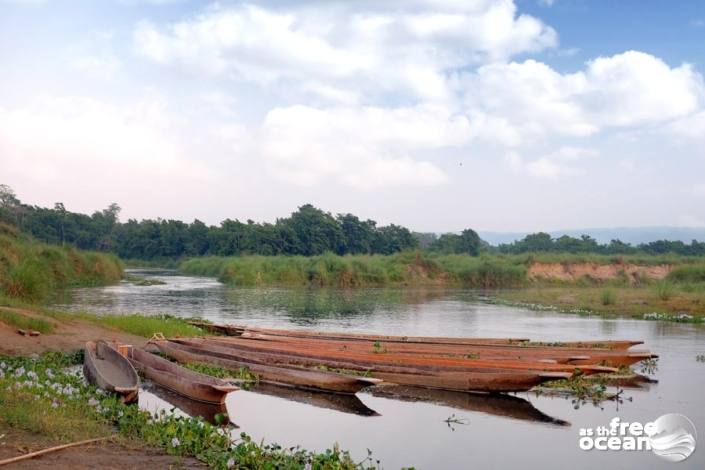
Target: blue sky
column 437, row 115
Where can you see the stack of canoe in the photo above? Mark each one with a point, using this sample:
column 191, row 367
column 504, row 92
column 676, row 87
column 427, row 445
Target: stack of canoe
column 346, row 363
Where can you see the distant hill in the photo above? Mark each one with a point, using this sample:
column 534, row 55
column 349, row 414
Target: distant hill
column 633, row 235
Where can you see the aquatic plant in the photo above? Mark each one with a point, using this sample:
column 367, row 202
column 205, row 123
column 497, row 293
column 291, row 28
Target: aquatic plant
column 40, row 395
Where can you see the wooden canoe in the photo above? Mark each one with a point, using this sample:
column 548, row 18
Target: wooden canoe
column 562, row 355
column 484, row 381
column 280, row 375
column 252, row 350
column 191, row 384
column 107, row 369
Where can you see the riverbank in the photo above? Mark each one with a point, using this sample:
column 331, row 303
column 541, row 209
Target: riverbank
column 30, row 270
column 43, row 401
column 660, row 301
column 419, row 268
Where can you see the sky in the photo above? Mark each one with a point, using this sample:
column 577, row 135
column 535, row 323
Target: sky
column 437, row 115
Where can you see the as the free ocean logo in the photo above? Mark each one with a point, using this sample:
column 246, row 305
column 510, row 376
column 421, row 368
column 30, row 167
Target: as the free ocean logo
column 672, row 437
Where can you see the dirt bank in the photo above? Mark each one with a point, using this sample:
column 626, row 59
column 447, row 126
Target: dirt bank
column 600, row 272
column 68, row 334
column 105, row 455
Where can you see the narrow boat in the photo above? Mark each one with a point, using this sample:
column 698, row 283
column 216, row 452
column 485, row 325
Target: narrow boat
column 564, row 355
column 481, row 380
column 191, row 384
column 214, row 413
column 242, row 349
column 350, row 404
column 281, row 375
column 106, row 368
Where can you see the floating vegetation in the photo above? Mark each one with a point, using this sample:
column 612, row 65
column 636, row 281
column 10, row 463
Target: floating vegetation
column 649, row 366
column 41, row 395
column 143, row 281
column 674, row 317
column 453, row 420
column 581, row 389
column 700, row 358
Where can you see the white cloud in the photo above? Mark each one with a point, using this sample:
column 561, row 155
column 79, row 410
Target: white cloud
column 377, row 47
column 623, row 91
column 698, row 190
column 83, row 142
column 361, row 147
column 96, row 66
column 690, row 220
column 553, row 166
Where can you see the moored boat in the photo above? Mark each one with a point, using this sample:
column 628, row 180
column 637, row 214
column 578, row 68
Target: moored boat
column 281, row 375
column 109, row 370
column 191, row 384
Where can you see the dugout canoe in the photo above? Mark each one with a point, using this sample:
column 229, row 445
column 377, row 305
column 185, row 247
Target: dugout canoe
column 573, row 355
column 106, row 368
column 279, row 375
column 480, row 381
column 258, row 352
column 193, row 385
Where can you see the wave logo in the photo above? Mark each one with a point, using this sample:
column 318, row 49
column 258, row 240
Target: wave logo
column 673, row 437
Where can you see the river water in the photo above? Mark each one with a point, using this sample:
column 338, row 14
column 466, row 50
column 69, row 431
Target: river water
column 518, row 431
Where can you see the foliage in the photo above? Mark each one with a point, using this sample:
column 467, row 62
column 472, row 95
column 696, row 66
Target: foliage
column 664, row 290
column 404, row 268
column 308, row 231
column 142, row 325
column 38, row 396
column 543, row 243
column 25, row 322
column 609, row 297
column 30, row 270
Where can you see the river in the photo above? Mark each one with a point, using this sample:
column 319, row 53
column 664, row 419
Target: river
column 521, row 431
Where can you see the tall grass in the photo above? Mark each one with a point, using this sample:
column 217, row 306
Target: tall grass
column 30, row 270
column 25, row 322
column 688, row 273
column 406, row 268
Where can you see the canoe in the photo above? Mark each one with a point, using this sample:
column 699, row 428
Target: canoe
column 492, row 382
column 109, row 370
column 191, row 384
column 563, row 355
column 213, row 413
column 280, row 375
column 482, row 381
column 341, row 359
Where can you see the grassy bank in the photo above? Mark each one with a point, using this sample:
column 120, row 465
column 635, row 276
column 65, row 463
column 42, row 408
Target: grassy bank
column 663, row 300
column 418, row 268
column 409, row 268
column 30, row 270
column 42, row 397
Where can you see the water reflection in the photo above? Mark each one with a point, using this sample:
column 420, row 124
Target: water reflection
column 411, row 430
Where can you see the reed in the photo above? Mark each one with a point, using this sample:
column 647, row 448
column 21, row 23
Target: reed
column 31, row 271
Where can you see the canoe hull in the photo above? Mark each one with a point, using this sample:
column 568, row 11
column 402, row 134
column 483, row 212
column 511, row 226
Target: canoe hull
column 107, row 369
column 180, row 380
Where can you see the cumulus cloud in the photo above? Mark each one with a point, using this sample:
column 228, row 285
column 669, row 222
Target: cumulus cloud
column 625, row 90
column 81, row 143
column 379, row 46
column 362, row 147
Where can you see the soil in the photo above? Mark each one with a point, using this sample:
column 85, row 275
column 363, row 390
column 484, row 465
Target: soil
column 106, row 455
column 68, row 335
column 601, row 272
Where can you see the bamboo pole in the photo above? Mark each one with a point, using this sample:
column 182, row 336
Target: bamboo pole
column 38, row 453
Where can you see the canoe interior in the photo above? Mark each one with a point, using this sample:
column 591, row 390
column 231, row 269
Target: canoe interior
column 109, row 370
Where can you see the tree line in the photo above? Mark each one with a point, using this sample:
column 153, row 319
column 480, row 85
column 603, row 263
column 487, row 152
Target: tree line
column 543, row 242
column 308, row 231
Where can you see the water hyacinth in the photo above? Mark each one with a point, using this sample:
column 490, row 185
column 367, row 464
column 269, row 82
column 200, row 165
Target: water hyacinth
column 66, row 392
